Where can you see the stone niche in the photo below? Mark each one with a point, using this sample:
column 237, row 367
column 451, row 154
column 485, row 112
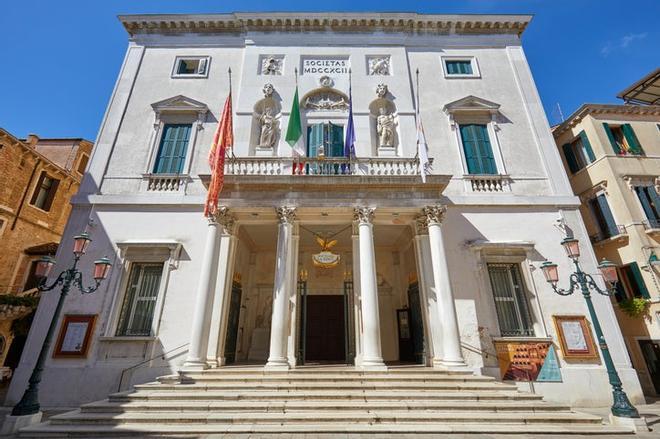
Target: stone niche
column 265, row 132
column 384, row 124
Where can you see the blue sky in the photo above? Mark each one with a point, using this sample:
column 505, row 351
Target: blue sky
column 61, row 58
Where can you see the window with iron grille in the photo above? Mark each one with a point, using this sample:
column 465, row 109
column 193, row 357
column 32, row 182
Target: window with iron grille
column 137, row 311
column 511, row 304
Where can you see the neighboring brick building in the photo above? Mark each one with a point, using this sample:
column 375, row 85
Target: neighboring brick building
column 37, row 179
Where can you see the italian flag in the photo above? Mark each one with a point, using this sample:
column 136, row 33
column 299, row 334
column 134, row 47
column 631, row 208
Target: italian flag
column 294, row 132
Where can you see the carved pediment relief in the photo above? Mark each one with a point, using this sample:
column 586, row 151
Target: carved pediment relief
column 471, row 103
column 325, row 99
column 180, row 103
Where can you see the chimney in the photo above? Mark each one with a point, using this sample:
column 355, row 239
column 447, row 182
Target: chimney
column 32, row 140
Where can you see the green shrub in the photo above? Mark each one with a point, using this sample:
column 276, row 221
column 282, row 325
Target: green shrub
column 635, row 307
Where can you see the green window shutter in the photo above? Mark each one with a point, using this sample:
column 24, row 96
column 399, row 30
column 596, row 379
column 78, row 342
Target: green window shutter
column 173, row 147
column 314, row 139
column 335, row 141
column 610, row 135
column 570, row 158
column 608, row 225
column 631, row 138
column 639, row 281
column 478, row 151
column 587, row 146
column 451, row 68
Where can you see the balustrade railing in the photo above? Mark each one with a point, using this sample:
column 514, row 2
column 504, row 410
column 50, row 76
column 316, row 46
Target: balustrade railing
column 329, row 166
column 488, row 183
column 165, row 182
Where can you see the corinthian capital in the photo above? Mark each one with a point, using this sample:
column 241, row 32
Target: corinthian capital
column 222, row 217
column 421, row 225
column 434, row 214
column 286, row 214
column 364, row 214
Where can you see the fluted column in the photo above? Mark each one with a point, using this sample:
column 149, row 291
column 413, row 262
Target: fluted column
column 451, row 340
column 204, row 299
column 372, row 357
column 277, row 358
column 225, row 272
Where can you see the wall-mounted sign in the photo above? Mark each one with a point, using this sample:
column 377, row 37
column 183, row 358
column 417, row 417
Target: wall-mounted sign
column 325, row 66
column 528, row 361
column 74, row 337
column 575, row 337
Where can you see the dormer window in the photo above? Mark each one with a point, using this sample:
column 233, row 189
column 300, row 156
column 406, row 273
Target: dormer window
column 191, row 67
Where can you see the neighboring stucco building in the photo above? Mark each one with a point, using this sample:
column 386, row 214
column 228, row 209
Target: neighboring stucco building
column 443, row 274
column 38, row 177
column 612, row 156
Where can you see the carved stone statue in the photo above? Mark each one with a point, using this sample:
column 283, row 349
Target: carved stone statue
column 379, row 66
column 327, row 100
column 271, row 66
column 385, row 128
column 268, row 90
column 381, row 91
column 268, row 128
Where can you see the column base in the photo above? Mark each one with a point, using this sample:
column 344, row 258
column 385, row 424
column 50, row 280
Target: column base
column 372, row 364
column 636, row 424
column 14, row 423
column 277, row 364
column 194, row 366
column 453, row 365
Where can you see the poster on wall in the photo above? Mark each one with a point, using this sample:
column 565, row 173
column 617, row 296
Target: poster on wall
column 575, row 337
column 75, row 334
column 528, row 361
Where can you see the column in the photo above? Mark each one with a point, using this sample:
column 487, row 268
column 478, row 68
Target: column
column 433, row 331
column 451, row 341
column 292, row 337
column 203, row 299
column 372, row 357
column 279, row 327
column 225, row 272
column 357, row 299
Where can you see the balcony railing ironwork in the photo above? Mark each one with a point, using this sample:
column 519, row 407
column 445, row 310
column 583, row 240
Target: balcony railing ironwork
column 620, row 230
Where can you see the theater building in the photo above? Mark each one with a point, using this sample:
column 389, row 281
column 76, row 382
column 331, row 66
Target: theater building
column 334, row 261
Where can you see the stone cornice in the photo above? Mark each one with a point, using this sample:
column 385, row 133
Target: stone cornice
column 240, row 22
column 587, row 109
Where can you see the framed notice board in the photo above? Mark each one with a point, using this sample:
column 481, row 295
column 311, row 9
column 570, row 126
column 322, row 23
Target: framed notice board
column 75, row 335
column 575, row 337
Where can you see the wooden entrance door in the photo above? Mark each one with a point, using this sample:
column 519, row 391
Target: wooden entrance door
column 325, row 328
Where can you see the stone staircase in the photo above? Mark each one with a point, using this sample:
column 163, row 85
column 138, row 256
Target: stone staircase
column 319, row 400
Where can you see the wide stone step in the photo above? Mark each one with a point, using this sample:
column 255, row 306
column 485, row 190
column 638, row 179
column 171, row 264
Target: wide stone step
column 182, row 395
column 395, row 385
column 340, row 370
column 285, row 431
column 386, row 416
column 316, row 406
column 325, row 378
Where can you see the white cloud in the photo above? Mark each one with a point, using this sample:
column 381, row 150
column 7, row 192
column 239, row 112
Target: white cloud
column 623, row 43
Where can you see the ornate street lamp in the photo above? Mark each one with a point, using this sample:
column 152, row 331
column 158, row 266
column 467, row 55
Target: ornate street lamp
column 621, row 406
column 29, row 403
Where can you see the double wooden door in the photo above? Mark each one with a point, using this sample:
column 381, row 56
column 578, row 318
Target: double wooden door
column 325, row 328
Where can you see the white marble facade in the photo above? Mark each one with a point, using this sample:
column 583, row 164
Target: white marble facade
column 390, row 227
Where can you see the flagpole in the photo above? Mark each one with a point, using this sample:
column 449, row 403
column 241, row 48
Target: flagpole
column 350, row 98
column 417, row 105
column 231, row 99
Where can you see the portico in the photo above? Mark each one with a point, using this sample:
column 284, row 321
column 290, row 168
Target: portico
column 357, row 306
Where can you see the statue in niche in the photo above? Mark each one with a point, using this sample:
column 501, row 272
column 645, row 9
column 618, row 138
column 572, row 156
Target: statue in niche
column 268, row 90
column 381, row 91
column 268, row 128
column 385, row 128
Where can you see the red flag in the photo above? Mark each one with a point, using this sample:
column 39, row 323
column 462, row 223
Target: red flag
column 223, row 139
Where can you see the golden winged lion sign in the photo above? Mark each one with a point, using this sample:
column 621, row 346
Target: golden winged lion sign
column 325, row 258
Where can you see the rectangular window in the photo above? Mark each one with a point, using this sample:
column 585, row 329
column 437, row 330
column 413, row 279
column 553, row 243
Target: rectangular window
column 631, row 283
column 187, row 67
column 82, row 164
column 623, row 139
column 578, row 153
column 650, row 201
column 462, row 67
column 328, row 138
column 510, row 302
column 137, row 311
column 172, row 150
column 44, row 192
column 604, row 219
column 477, row 148
column 32, row 281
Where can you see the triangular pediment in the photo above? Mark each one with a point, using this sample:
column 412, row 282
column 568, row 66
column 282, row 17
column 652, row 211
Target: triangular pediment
column 472, row 103
column 180, row 103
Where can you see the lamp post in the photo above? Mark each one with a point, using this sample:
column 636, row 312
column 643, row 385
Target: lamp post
column 29, row 403
column 621, row 406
